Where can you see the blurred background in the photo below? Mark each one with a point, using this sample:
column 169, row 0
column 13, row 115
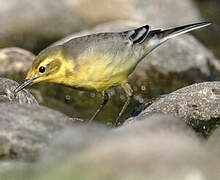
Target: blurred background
column 33, row 25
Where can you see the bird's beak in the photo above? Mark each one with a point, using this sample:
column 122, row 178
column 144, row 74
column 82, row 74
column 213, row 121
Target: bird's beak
column 23, row 85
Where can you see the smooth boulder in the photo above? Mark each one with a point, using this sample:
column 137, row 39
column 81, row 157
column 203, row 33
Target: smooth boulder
column 26, row 129
column 198, row 105
column 159, row 146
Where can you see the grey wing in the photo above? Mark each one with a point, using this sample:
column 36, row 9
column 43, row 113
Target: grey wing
column 115, row 43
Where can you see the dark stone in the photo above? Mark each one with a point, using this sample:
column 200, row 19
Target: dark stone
column 27, row 129
column 198, row 104
column 7, row 86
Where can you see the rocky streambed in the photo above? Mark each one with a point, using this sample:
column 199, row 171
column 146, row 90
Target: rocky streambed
column 170, row 130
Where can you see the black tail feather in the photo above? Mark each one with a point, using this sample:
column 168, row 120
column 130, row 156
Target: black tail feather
column 173, row 32
column 157, row 37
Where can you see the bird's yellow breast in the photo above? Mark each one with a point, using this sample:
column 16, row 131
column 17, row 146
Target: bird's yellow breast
column 94, row 72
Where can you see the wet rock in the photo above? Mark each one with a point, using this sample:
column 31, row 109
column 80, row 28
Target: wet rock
column 26, row 129
column 156, row 122
column 80, row 138
column 7, row 87
column 142, row 151
column 73, row 141
column 198, row 104
column 127, row 152
column 50, row 20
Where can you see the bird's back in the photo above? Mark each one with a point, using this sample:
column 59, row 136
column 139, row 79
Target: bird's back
column 101, row 60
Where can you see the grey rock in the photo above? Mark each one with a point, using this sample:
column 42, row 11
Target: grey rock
column 48, row 20
column 198, row 104
column 14, row 60
column 26, row 129
column 156, row 122
column 72, row 141
column 142, row 151
column 78, row 139
column 7, row 86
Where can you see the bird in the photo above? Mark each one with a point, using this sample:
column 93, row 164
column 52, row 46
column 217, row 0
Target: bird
column 97, row 62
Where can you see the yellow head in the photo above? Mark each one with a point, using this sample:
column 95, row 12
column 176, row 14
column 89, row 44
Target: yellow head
column 46, row 67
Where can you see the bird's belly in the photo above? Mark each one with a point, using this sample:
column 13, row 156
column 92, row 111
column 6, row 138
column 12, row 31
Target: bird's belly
column 100, row 79
column 101, row 76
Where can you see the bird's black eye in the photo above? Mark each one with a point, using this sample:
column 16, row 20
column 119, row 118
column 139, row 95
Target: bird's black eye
column 42, row 69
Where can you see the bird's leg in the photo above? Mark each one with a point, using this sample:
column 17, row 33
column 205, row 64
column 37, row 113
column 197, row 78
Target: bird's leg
column 105, row 100
column 129, row 92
